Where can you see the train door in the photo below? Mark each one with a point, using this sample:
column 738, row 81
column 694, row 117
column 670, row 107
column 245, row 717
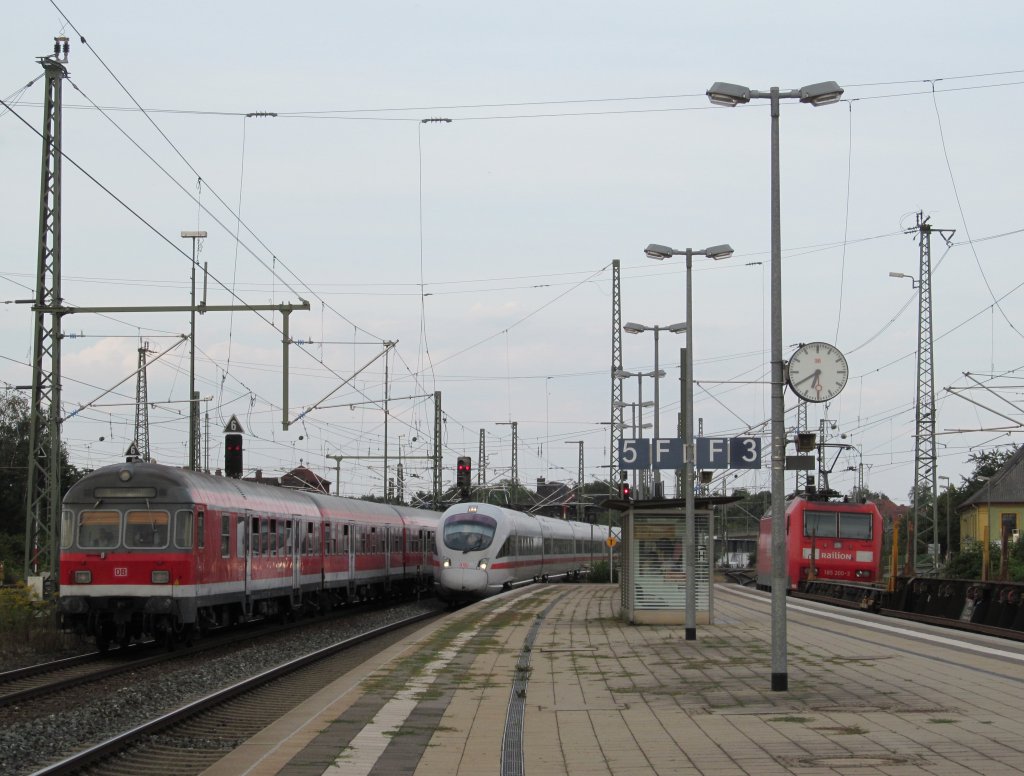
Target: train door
column 245, row 552
column 296, row 559
column 199, row 545
column 348, row 538
column 388, row 538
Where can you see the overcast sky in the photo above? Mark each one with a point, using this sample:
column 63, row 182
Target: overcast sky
column 580, row 132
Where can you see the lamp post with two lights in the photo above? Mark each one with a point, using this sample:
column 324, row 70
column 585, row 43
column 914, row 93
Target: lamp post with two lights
column 659, row 252
column 639, row 328
column 731, row 95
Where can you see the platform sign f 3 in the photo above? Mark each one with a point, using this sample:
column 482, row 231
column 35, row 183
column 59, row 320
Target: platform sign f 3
column 726, row 453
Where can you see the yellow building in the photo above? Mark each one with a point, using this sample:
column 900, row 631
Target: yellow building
column 997, row 506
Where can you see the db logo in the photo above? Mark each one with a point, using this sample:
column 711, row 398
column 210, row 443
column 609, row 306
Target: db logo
column 120, row 571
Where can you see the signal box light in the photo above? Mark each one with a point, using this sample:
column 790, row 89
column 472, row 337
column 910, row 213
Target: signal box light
column 233, row 455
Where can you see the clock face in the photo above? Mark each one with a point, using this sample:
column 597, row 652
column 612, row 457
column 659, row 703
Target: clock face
column 817, row 372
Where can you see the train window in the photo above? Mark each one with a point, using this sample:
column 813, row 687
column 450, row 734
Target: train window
column 200, row 529
column 289, row 540
column 225, row 536
column 852, row 526
column 99, row 530
column 67, row 529
column 146, row 529
column 309, row 538
column 505, row 547
column 820, row 524
column 345, row 539
column 469, row 532
column 264, row 536
column 183, row 529
column 273, row 536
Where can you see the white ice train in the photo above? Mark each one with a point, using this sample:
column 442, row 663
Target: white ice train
column 483, row 549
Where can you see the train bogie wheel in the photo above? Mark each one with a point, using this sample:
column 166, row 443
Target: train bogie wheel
column 104, row 635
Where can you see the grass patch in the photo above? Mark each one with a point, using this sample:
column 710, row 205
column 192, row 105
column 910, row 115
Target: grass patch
column 844, row 730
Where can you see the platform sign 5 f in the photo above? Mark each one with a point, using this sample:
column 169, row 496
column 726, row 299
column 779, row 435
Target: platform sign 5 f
column 726, row 453
column 651, row 453
column 634, row 454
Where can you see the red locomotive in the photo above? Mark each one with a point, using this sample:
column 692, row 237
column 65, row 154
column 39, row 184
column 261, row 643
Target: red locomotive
column 830, row 541
column 155, row 551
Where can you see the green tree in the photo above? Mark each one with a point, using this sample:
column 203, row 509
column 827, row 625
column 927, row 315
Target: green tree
column 15, row 417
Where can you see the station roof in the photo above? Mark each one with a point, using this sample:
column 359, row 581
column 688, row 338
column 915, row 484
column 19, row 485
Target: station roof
column 668, row 504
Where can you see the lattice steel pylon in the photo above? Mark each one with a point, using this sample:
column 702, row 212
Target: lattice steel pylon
column 43, row 485
column 616, row 400
column 438, row 423
column 481, row 463
column 142, row 406
column 924, row 415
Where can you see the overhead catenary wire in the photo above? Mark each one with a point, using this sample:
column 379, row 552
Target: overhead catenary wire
column 844, row 244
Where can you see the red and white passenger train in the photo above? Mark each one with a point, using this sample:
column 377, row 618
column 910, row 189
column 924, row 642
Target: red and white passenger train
column 155, row 551
column 829, row 541
column 484, row 549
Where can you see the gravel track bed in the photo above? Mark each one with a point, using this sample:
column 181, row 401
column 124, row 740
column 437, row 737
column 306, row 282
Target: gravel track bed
column 36, row 734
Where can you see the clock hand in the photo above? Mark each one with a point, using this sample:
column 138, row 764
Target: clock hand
column 815, row 374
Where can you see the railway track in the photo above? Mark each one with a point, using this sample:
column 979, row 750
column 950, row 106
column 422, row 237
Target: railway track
column 50, row 679
column 876, row 599
column 36, row 681
column 189, row 739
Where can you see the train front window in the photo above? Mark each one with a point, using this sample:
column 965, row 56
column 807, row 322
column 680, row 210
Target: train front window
column 469, row 532
column 853, row 526
column 146, row 529
column 820, row 524
column 99, row 529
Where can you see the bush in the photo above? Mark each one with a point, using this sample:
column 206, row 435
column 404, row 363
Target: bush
column 28, row 625
column 599, row 572
column 12, row 554
column 967, row 563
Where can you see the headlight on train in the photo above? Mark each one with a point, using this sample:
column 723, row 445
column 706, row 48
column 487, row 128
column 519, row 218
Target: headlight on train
column 83, row 577
column 482, row 564
column 160, row 577
column 446, row 563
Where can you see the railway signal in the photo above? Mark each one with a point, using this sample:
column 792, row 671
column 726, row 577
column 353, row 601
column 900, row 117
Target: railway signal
column 233, row 456
column 464, row 475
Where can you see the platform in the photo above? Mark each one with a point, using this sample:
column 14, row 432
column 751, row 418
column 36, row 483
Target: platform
column 549, row 681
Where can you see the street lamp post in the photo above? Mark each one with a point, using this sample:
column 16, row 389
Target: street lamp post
column 730, row 95
column 639, row 328
column 634, row 406
column 716, row 252
column 193, row 403
column 911, row 278
column 621, row 374
column 949, row 544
